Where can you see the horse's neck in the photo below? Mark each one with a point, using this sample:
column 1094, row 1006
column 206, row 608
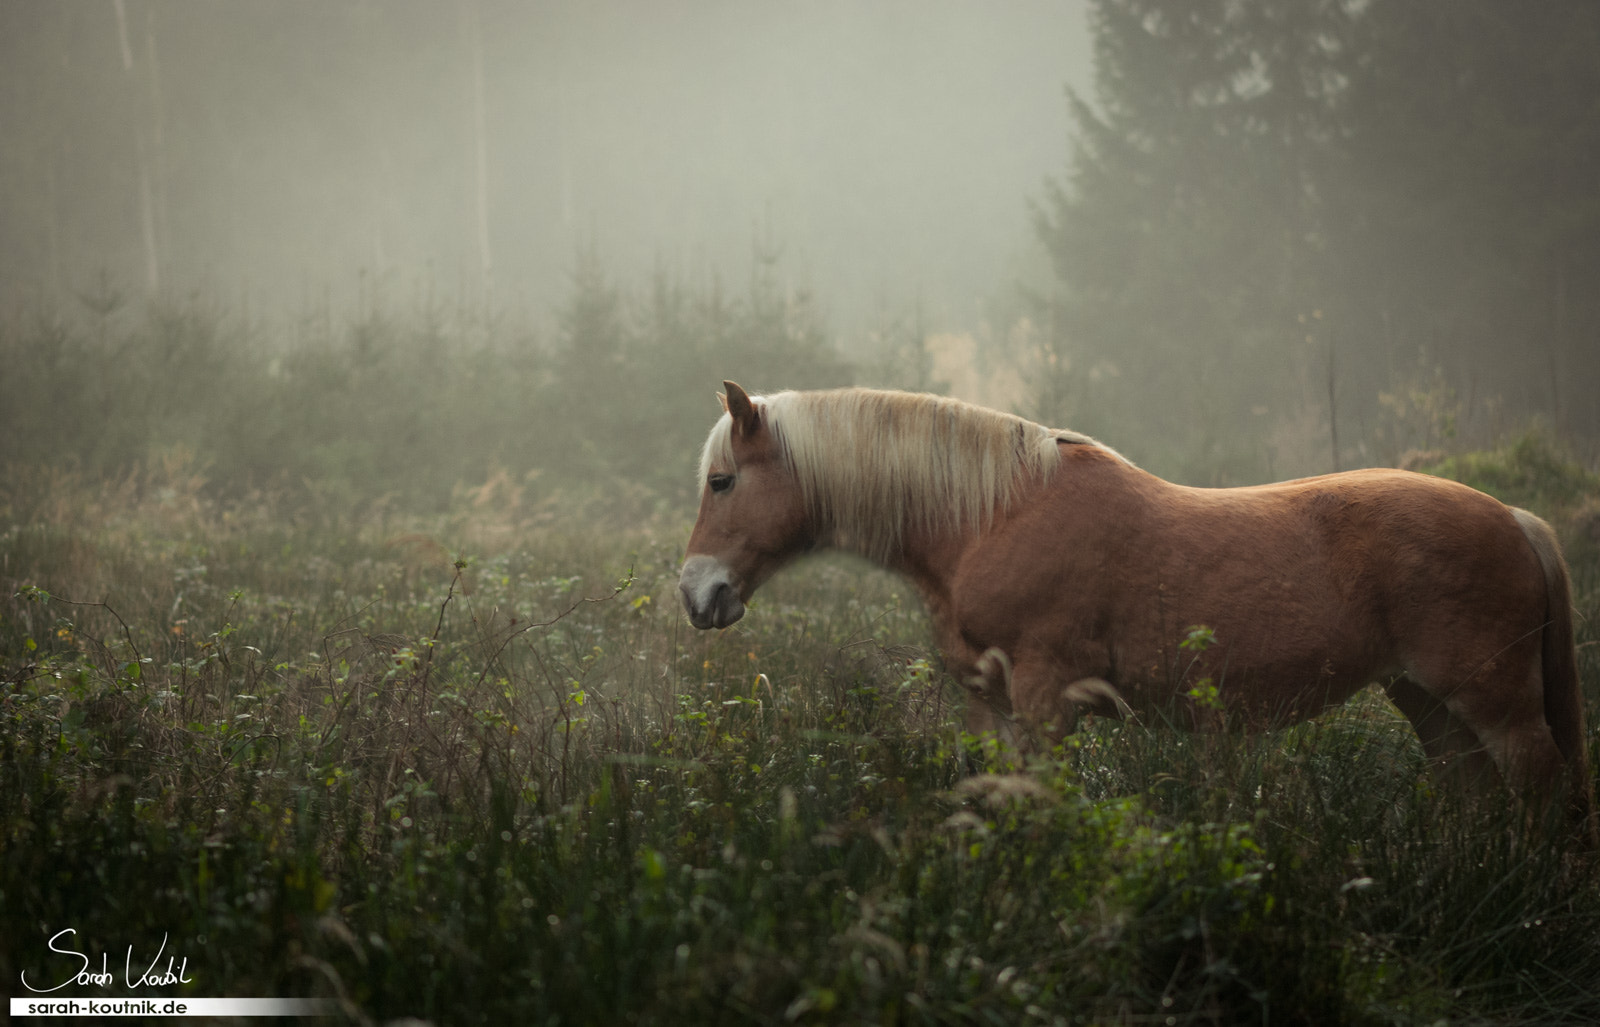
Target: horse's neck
column 929, row 558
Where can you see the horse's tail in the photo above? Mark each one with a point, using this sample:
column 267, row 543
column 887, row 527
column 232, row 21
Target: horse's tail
column 1563, row 695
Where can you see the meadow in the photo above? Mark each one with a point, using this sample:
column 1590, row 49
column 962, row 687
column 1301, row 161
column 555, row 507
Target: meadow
column 468, row 763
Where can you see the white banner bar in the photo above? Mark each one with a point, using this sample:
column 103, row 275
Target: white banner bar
column 47, row 1006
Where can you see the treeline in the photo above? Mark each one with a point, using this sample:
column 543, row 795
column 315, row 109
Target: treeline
column 1300, row 235
column 409, row 403
column 1292, row 238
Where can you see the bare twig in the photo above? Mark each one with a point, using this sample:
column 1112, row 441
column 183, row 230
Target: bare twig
column 40, row 595
column 438, row 628
column 622, row 586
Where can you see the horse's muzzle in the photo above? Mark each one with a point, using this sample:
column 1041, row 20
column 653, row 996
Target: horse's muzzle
column 710, row 594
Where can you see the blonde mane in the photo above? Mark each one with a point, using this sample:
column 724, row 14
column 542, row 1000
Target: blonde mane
column 874, row 464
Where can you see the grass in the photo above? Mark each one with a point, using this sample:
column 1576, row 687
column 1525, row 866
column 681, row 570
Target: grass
column 501, row 780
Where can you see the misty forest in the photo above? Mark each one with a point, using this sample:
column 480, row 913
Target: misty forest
column 355, row 362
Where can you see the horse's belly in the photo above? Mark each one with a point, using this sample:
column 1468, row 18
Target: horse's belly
column 1220, row 684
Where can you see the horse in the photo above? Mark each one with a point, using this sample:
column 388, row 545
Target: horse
column 1059, row 576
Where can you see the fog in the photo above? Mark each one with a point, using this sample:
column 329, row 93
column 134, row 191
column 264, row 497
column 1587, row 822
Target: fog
column 291, row 154
column 1238, row 241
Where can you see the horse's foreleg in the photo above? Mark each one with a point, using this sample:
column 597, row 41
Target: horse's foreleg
column 989, row 706
column 1016, row 701
column 1049, row 699
column 1033, row 703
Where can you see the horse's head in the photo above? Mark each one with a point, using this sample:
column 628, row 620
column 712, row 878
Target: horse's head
column 752, row 515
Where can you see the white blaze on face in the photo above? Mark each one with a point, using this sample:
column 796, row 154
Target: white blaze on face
column 710, row 592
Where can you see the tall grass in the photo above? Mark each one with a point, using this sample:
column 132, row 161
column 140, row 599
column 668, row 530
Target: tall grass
column 475, row 768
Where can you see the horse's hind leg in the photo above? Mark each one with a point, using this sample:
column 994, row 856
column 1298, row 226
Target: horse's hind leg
column 1491, row 732
column 1455, row 754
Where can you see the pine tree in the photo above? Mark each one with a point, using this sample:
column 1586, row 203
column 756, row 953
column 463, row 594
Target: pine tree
column 1470, row 228
column 1186, row 236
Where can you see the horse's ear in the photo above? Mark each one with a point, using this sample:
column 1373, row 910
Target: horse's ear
column 740, row 408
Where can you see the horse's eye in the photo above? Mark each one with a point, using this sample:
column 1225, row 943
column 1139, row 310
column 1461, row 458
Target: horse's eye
column 720, row 482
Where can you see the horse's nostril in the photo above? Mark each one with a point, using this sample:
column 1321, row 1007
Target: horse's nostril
column 726, row 606
column 709, row 597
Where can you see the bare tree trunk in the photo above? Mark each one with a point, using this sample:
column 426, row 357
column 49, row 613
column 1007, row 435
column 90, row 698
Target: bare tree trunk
column 58, row 277
column 1556, row 342
column 147, row 212
column 1333, row 402
column 473, row 29
column 158, row 158
column 147, row 218
column 122, row 34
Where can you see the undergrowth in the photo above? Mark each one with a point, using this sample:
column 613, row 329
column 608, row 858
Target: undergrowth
column 500, row 780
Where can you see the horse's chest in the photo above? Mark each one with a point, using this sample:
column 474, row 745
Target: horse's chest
column 1061, row 628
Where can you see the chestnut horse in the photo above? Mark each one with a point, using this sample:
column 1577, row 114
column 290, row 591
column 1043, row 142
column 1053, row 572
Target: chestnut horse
column 1058, row 574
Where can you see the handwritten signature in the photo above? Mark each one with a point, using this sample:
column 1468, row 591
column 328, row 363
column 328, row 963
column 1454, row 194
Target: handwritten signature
column 86, row 977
